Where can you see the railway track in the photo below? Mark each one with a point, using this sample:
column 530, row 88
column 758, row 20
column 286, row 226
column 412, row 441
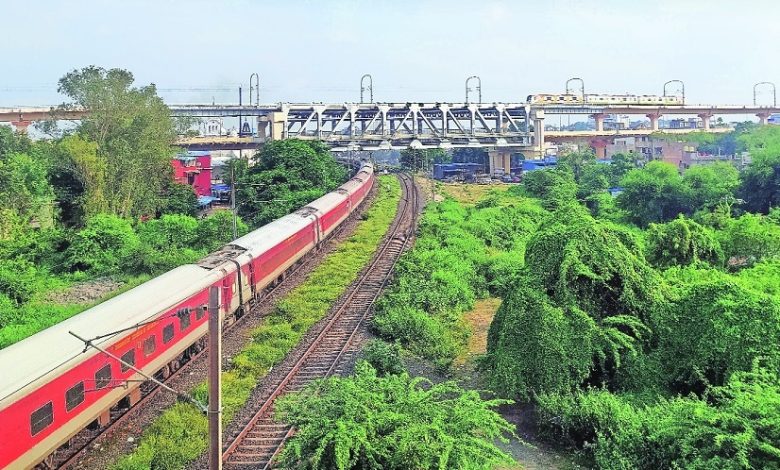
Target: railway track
column 68, row 455
column 262, row 438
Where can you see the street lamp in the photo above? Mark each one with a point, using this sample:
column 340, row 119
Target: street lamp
column 369, row 87
column 682, row 88
column 774, row 93
column 479, row 88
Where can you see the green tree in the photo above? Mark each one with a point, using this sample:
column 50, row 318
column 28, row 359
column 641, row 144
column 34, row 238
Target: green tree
column 761, row 179
column 577, row 162
column 24, row 188
column 555, row 186
column 180, row 199
column 287, row 174
column 749, row 239
column 655, row 193
column 421, row 159
column 711, row 184
column 134, row 135
column 81, row 159
column 391, row 422
column 621, row 164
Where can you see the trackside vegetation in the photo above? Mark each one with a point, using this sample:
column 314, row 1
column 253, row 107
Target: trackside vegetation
column 179, row 435
column 643, row 328
column 391, row 422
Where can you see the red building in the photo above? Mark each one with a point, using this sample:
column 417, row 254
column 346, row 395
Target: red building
column 194, row 169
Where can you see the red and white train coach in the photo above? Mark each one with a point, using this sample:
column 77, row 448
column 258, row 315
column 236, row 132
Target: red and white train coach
column 51, row 386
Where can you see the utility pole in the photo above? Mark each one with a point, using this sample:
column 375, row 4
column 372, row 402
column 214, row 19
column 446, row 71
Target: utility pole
column 233, row 198
column 215, row 381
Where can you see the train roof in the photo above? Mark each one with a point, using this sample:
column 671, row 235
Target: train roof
column 269, row 235
column 24, row 362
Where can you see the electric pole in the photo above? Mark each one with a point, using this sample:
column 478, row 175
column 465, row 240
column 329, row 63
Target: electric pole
column 215, row 381
column 233, row 198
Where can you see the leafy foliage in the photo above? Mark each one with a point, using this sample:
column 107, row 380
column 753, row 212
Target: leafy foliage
column 102, row 246
column 287, row 174
column 391, row 422
column 738, row 427
column 180, row 199
column 555, row 187
column 384, row 357
column 682, row 242
column 127, row 164
column 655, row 193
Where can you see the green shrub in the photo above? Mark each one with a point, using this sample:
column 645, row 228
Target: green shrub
column 102, row 246
column 738, row 427
column 391, row 422
column 682, row 242
column 216, row 230
column 19, row 280
column 384, row 357
column 749, row 239
column 169, row 231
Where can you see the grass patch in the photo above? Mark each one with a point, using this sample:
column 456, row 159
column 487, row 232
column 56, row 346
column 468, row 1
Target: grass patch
column 478, row 320
column 179, row 435
column 38, row 314
column 469, row 193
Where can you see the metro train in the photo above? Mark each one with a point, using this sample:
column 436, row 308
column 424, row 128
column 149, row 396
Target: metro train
column 641, row 100
column 51, row 386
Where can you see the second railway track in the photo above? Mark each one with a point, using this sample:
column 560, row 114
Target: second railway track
column 261, row 439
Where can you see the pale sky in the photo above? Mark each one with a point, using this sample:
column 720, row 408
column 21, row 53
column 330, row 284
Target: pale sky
column 415, row 50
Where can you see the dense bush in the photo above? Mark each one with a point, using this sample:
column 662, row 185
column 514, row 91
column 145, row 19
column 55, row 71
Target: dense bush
column 682, row 242
column 749, row 239
column 738, row 427
column 717, row 327
column 554, row 187
column 585, row 262
column 102, row 246
column 391, row 422
column 384, row 357
column 180, row 199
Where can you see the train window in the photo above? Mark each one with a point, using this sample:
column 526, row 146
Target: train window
column 74, row 396
column 168, row 333
column 184, row 318
column 103, row 377
column 128, row 358
column 41, row 418
column 150, row 345
column 201, row 312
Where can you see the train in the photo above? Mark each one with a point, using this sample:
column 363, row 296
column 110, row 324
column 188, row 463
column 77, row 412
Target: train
column 605, row 100
column 52, row 386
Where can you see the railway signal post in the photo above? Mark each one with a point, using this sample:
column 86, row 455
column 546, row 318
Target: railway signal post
column 215, row 381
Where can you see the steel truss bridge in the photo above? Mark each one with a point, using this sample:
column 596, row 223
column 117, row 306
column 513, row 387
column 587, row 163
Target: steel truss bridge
column 383, row 126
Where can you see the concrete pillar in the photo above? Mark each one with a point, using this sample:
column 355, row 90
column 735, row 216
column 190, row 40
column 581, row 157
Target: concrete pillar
column 262, row 127
column 763, row 118
column 599, row 118
column 705, row 120
column 499, row 159
column 21, row 125
column 654, row 120
column 599, row 147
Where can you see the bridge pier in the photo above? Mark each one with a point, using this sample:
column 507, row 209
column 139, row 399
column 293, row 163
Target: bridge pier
column 653, row 120
column 539, row 131
column 763, row 118
column 705, row 120
column 599, row 147
column 599, row 118
column 499, row 159
column 21, row 125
